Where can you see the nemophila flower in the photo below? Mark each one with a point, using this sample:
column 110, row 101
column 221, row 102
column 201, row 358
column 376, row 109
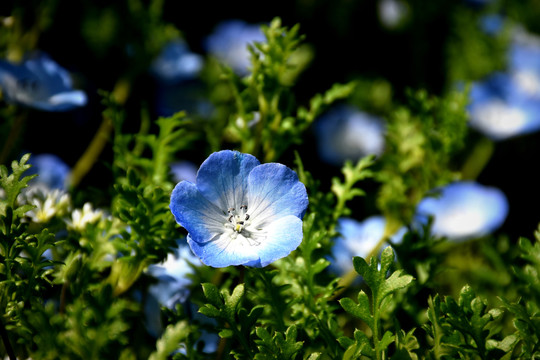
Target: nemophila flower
column 229, row 41
column 176, row 63
column 357, row 239
column 81, row 218
column 345, row 133
column 241, row 212
column 464, row 210
column 51, row 170
column 183, row 170
column 172, row 275
column 40, row 83
column 392, row 12
column 508, row 104
column 492, row 23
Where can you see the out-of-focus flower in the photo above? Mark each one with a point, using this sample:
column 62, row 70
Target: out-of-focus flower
column 81, row 218
column 40, row 83
column 492, row 24
column 184, row 170
column 171, row 289
column 392, row 12
column 176, row 63
column 241, row 212
column 172, row 275
column 345, row 133
column 357, row 239
column 51, row 170
column 464, row 210
column 48, row 203
column 508, row 104
column 228, row 43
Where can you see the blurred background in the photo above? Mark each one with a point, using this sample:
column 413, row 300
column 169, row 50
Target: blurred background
column 389, row 47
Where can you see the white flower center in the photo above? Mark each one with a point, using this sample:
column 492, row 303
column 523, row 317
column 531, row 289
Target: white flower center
column 238, row 220
column 237, row 223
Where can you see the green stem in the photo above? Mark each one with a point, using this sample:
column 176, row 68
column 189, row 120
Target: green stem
column 90, row 156
column 478, row 159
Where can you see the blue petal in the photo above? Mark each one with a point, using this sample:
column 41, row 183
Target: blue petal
column 274, row 191
column 465, row 210
column 201, row 218
column 222, row 178
column 284, row 236
column 223, row 251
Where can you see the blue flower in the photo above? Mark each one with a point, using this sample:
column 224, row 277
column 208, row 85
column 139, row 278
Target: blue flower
column 51, row 170
column 464, row 210
column 40, row 83
column 357, row 239
column 172, row 274
column 172, row 285
column 228, row 43
column 183, row 170
column 241, row 212
column 345, row 133
column 508, row 104
column 176, row 63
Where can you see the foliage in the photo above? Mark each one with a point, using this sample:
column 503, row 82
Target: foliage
column 76, row 283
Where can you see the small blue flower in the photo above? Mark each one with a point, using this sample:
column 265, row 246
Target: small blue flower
column 464, row 210
column 508, row 104
column 392, row 13
column 228, row 43
column 241, row 212
column 492, row 24
column 40, row 83
column 345, row 133
column 176, row 63
column 51, row 170
column 172, row 274
column 357, row 239
column 184, row 170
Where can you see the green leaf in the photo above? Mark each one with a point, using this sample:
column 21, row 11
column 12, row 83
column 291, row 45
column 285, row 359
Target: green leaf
column 170, row 340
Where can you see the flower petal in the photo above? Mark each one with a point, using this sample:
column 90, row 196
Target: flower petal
column 224, row 251
column 283, row 236
column 202, row 219
column 222, row 178
column 274, row 191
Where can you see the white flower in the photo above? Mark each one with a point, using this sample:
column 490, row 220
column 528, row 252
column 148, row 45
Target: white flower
column 81, row 218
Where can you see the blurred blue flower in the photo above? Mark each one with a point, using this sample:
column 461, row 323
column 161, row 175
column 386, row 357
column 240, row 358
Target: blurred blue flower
column 176, row 63
column 508, row 104
column 228, row 43
column 464, row 210
column 51, row 170
column 172, row 274
column 184, row 170
column 357, row 239
column 172, row 285
column 40, row 83
column 392, row 12
column 492, row 23
column 241, row 212
column 345, row 133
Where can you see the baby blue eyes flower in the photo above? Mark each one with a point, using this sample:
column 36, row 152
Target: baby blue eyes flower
column 358, row 239
column 508, row 104
column 241, row 212
column 51, row 170
column 345, row 133
column 464, row 210
column 228, row 43
column 176, row 63
column 40, row 83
